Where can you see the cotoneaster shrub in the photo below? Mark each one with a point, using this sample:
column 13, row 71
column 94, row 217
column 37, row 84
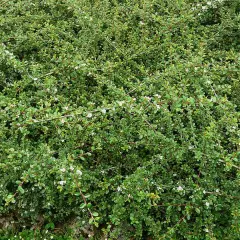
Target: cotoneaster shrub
column 120, row 118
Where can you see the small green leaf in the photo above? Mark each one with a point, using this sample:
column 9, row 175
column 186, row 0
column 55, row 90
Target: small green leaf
column 91, row 220
column 89, row 205
column 83, row 205
column 198, row 210
column 20, row 189
column 95, row 214
column 50, row 226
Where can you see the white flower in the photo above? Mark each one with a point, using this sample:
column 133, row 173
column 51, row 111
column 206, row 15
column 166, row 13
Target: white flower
column 148, row 98
column 63, row 169
column 206, row 230
column 180, row 188
column 62, row 182
column 207, row 204
column 71, row 168
column 119, row 189
column 103, row 111
column 204, row 192
column 217, row 190
column 208, row 82
column 204, row 7
column 79, row 172
column 89, row 115
column 141, row 23
column 209, row 3
column 121, row 103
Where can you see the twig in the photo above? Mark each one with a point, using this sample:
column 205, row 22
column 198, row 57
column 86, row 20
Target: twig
column 83, row 197
column 173, row 205
column 32, row 121
column 223, row 194
column 173, row 227
column 231, row 164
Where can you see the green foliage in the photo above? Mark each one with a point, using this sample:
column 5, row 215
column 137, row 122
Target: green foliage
column 36, row 235
column 120, row 119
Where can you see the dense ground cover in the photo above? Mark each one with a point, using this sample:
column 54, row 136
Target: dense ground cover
column 120, row 119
